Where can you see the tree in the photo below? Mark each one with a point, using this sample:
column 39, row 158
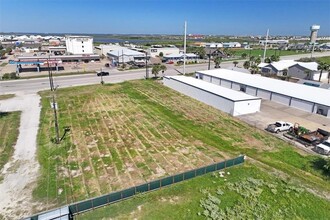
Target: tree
column 217, row 61
column 257, row 61
column 254, row 69
column 157, row 68
column 252, row 59
column 2, row 54
column 235, row 63
column 322, row 67
column 267, row 60
column 244, row 55
column 163, row 68
column 274, row 58
column 161, row 54
column 246, row 64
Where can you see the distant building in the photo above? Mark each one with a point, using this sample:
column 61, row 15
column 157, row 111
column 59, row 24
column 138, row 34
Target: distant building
column 213, row 45
column 180, row 57
column 301, row 70
column 79, row 44
column 104, row 49
column 231, row 45
column 126, row 56
column 155, row 51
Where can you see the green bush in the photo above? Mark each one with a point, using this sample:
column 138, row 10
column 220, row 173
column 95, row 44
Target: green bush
column 12, row 75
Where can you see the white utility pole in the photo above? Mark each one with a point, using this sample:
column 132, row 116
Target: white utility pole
column 263, row 59
column 184, row 48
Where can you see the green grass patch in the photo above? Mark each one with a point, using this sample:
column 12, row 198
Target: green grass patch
column 7, row 96
column 324, row 59
column 246, row 192
column 9, row 129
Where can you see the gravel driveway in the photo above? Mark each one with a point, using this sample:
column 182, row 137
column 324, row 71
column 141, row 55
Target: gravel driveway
column 21, row 172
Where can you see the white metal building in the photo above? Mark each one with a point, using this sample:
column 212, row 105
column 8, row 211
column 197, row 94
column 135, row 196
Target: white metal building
column 165, row 50
column 126, row 56
column 227, row 100
column 300, row 96
column 79, row 44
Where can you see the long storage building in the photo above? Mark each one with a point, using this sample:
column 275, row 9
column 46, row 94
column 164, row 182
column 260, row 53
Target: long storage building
column 303, row 97
column 232, row 102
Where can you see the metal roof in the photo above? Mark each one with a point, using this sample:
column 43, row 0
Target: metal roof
column 215, row 89
column 285, row 64
column 126, row 52
column 299, row 91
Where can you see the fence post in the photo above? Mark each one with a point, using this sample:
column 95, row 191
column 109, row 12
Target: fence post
column 205, row 170
column 195, row 172
column 92, row 203
column 121, row 195
column 225, row 164
column 172, row 179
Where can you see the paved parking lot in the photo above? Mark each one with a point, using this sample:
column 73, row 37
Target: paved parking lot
column 272, row 111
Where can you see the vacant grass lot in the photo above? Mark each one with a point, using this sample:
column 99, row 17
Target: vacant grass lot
column 136, row 131
column 9, row 125
column 269, row 52
column 245, row 193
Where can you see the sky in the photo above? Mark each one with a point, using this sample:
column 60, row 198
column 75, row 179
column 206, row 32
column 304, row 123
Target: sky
column 214, row 17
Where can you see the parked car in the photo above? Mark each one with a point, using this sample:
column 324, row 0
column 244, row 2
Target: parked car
column 323, row 148
column 169, row 62
column 107, row 65
column 102, row 73
column 279, row 126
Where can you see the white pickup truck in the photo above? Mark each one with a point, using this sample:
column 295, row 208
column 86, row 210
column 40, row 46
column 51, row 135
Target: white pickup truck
column 279, row 126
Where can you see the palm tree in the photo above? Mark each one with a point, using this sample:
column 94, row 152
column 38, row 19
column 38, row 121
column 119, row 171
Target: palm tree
column 246, row 64
column 235, row 63
column 244, row 55
column 254, row 69
column 322, row 67
column 257, row 61
column 267, row 60
column 217, row 61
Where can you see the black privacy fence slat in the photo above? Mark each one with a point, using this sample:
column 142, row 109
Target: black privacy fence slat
column 90, row 204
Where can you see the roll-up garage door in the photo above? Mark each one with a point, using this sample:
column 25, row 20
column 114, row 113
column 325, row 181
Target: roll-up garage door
column 283, row 99
column 263, row 94
column 226, row 83
column 301, row 104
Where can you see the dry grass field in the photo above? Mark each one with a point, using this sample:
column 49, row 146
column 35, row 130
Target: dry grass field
column 129, row 133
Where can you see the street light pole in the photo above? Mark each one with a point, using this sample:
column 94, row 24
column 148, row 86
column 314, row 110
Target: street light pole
column 209, row 60
column 51, row 84
column 147, row 72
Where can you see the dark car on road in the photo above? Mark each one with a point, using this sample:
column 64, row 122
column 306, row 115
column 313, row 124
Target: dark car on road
column 102, row 73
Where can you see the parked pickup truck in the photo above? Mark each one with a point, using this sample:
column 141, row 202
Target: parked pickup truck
column 279, row 126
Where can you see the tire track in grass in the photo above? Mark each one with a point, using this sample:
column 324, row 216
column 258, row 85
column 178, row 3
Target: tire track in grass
column 130, row 134
column 133, row 130
column 114, row 152
column 145, row 132
column 187, row 159
column 178, row 105
column 79, row 151
column 109, row 171
column 159, row 160
column 100, row 165
column 92, row 183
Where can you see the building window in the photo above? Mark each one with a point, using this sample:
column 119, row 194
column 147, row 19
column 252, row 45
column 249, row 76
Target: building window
column 82, row 46
column 82, row 42
column 83, row 51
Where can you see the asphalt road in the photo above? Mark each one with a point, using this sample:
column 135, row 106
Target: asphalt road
column 38, row 84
